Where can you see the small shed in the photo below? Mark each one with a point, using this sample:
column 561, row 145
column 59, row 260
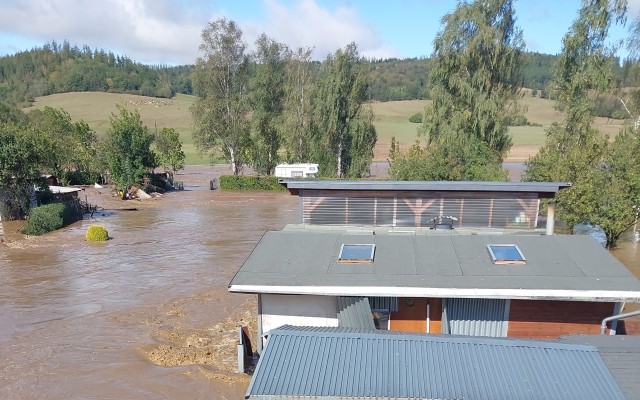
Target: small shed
column 418, row 203
column 65, row 192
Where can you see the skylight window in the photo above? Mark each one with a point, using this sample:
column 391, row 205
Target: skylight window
column 506, row 254
column 357, row 253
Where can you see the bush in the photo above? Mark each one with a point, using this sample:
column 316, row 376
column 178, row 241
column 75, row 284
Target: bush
column 97, row 233
column 45, row 219
column 241, row 182
column 516, row 120
column 416, row 118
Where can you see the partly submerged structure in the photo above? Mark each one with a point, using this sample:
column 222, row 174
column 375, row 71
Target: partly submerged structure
column 408, row 204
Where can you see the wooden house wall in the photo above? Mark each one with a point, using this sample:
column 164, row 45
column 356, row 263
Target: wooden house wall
column 416, row 209
column 412, row 315
column 547, row 319
column 530, row 319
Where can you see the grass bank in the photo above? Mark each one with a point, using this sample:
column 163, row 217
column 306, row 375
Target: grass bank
column 391, row 119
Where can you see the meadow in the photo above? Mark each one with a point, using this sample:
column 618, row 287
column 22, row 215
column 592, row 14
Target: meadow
column 391, row 119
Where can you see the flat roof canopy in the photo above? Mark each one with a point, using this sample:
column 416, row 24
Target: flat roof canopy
column 561, row 267
column 545, row 189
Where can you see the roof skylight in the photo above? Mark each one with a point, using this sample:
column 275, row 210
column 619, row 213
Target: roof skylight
column 357, row 253
column 506, row 254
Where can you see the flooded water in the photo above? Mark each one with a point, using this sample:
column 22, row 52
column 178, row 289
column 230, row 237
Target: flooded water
column 100, row 320
column 146, row 314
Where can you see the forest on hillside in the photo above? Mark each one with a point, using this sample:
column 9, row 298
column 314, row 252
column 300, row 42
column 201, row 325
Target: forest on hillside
column 62, row 68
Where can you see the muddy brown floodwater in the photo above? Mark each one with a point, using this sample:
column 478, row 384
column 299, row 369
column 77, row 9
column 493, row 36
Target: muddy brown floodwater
column 146, row 314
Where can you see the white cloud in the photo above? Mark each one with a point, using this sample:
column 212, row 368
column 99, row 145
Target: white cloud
column 152, row 31
column 168, row 31
column 633, row 8
column 307, row 24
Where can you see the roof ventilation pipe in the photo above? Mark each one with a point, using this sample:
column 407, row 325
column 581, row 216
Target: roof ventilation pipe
column 442, row 222
column 551, row 218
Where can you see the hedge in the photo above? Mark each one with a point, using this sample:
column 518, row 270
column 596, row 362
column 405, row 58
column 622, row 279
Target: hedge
column 242, row 182
column 50, row 217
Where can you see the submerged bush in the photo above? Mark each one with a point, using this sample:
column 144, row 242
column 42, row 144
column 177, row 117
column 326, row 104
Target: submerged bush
column 97, row 233
column 243, row 182
column 45, row 219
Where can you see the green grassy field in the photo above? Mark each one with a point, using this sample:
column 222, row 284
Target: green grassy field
column 391, row 119
column 96, row 108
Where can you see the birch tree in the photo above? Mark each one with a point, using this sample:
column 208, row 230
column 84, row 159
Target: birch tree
column 342, row 119
column 268, row 92
column 220, row 111
column 476, row 77
column 605, row 175
column 298, row 107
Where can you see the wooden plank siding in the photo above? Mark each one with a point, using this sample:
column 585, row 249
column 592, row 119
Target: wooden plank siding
column 412, row 315
column 416, row 209
column 547, row 319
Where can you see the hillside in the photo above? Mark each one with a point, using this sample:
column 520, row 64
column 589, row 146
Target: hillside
column 392, row 119
column 95, row 109
column 64, row 68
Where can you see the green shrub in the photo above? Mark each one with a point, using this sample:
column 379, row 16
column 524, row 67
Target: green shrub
column 416, row 118
column 97, row 233
column 241, row 182
column 45, row 219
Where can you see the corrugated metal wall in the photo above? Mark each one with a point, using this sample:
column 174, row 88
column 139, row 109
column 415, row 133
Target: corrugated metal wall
column 384, row 303
column 355, row 312
column 411, row 209
column 476, row 317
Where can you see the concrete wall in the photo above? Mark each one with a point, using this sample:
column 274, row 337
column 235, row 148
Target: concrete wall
column 299, row 310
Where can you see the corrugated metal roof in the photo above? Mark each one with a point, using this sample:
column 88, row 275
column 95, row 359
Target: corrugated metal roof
column 469, row 186
column 443, row 265
column 621, row 355
column 355, row 312
column 339, row 364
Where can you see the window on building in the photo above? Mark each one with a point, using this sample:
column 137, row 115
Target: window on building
column 506, row 254
column 357, row 253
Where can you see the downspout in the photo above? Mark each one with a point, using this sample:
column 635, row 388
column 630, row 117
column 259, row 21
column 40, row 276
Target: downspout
column 551, row 218
column 603, row 326
column 259, row 338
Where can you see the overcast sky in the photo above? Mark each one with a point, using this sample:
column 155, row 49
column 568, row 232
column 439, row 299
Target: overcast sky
column 168, row 31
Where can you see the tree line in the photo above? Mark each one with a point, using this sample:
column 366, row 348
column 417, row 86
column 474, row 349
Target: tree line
column 60, row 68
column 56, row 68
column 273, row 104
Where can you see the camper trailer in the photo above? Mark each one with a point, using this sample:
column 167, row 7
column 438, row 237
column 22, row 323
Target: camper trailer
column 296, row 170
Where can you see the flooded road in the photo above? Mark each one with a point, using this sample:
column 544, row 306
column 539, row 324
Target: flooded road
column 146, row 314
column 100, row 320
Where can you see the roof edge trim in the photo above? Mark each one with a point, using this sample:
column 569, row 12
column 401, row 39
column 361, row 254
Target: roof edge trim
column 513, row 294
